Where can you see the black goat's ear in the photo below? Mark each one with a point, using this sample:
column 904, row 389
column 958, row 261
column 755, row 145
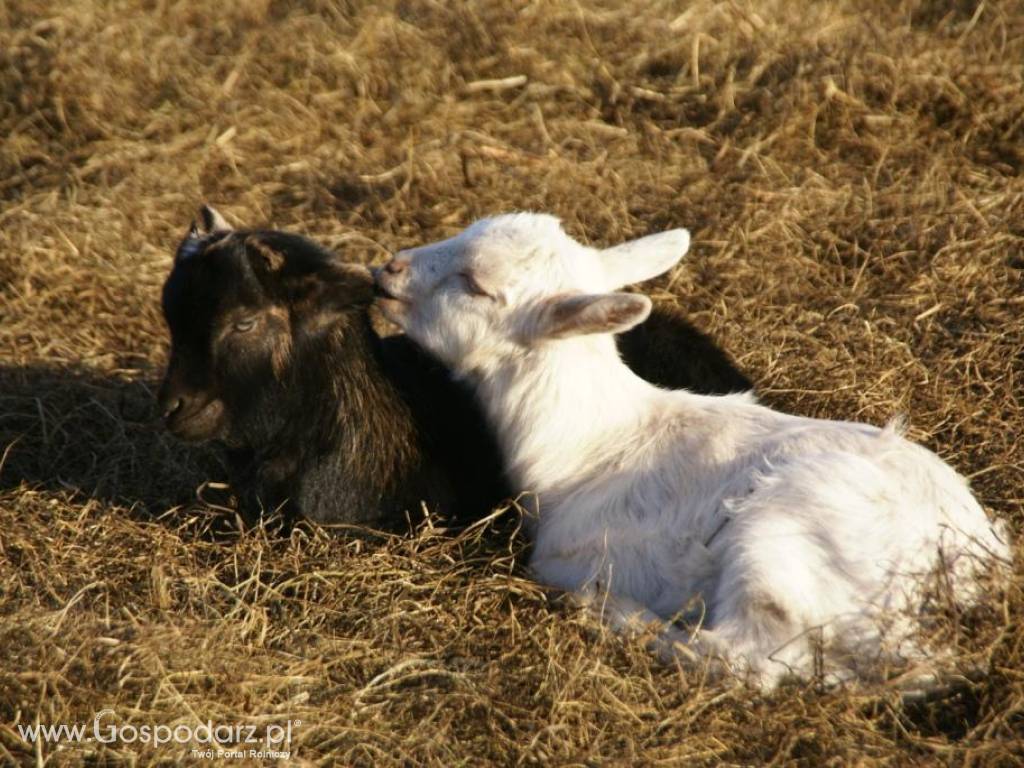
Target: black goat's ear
column 211, row 222
column 191, row 245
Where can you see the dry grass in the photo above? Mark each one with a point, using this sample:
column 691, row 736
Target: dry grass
column 853, row 176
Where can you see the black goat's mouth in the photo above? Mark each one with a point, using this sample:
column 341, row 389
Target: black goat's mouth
column 198, row 424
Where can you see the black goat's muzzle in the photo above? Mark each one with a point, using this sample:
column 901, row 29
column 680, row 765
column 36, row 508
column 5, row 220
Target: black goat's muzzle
column 193, row 420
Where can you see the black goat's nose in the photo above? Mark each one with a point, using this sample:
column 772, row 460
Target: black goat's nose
column 395, row 266
column 172, row 406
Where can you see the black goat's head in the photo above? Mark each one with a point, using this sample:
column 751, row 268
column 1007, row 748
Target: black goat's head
column 244, row 309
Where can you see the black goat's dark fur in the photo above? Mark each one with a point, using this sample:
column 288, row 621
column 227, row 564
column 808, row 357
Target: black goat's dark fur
column 274, row 355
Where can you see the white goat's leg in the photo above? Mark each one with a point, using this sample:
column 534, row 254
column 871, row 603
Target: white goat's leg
column 696, row 650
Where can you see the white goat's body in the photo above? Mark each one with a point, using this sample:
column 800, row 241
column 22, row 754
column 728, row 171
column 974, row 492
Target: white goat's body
column 776, row 532
column 781, row 535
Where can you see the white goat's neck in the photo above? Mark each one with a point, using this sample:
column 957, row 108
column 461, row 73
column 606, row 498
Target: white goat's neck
column 564, row 410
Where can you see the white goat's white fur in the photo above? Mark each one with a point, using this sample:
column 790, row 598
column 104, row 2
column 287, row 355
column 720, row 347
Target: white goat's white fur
column 782, row 536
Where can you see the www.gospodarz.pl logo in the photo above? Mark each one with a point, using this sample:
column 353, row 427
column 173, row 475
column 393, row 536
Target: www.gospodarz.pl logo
column 209, row 740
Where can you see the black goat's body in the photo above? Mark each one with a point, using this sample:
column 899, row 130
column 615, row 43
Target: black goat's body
column 669, row 351
column 410, row 435
column 274, row 355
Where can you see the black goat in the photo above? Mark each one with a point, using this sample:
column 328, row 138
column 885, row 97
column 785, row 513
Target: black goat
column 274, row 355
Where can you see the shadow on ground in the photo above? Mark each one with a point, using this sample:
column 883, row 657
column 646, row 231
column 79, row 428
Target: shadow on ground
column 96, row 435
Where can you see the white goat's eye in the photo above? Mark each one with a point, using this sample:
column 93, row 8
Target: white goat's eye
column 242, row 326
column 473, row 286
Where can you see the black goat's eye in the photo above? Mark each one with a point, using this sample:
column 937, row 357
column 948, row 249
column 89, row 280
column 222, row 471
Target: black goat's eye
column 242, row 326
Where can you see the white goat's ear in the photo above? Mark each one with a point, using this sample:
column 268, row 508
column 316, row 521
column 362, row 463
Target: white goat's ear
column 591, row 313
column 645, row 258
column 211, row 222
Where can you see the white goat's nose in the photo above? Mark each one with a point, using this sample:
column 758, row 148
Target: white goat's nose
column 396, row 266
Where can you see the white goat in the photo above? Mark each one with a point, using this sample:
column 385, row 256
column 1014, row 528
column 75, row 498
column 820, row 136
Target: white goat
column 782, row 535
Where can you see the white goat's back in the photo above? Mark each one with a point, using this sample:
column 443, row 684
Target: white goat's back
column 795, row 532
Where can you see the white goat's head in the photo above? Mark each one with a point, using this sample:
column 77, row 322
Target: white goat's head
column 510, row 283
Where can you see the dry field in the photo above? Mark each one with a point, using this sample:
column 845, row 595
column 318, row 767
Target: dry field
column 852, row 174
